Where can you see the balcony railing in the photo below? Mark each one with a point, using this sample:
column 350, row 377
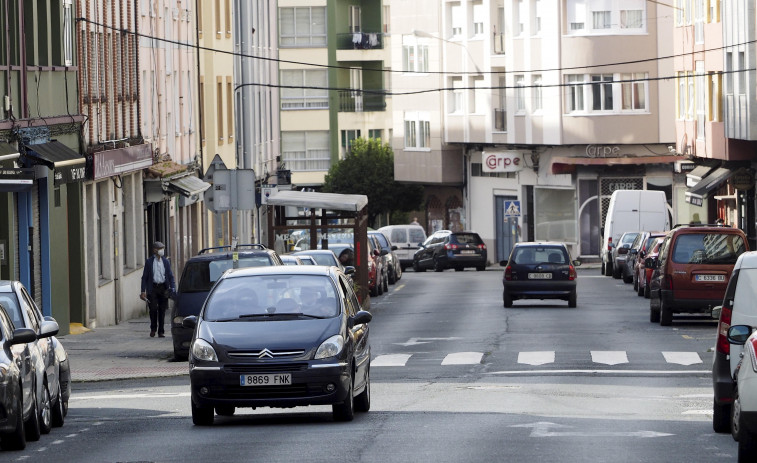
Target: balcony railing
column 500, row 120
column 360, row 41
column 355, row 101
column 499, row 43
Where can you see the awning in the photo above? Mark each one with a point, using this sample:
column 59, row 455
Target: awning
column 566, row 164
column 8, row 152
column 67, row 163
column 16, row 180
column 189, row 185
column 696, row 194
column 328, row 201
column 696, row 175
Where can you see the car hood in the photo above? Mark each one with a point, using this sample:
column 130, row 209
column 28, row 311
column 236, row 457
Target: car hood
column 273, row 334
column 190, row 303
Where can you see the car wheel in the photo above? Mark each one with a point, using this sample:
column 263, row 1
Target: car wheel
column 45, row 413
column 736, row 431
column 627, row 279
column 608, row 269
column 392, row 276
column 374, row 290
column 417, row 267
column 573, row 300
column 616, row 272
column 635, row 283
column 16, row 439
column 225, row 410
column 31, row 427
column 202, row 416
column 386, row 284
column 666, row 314
column 640, row 290
column 59, row 415
column 363, row 400
column 507, row 299
column 379, row 285
column 438, row 267
column 647, row 291
column 398, row 273
column 721, row 417
column 345, row 411
column 654, row 310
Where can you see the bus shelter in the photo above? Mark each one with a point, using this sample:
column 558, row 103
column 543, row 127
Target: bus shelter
column 324, row 214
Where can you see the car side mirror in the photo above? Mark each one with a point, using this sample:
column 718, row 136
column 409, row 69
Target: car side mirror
column 715, row 314
column 349, row 270
column 650, row 263
column 576, row 263
column 361, row 318
column 48, row 329
column 738, row 334
column 503, row 263
column 394, row 247
column 384, row 252
column 642, row 254
column 633, row 252
column 190, row 322
column 22, row 336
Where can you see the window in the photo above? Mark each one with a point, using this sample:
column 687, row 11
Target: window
column 308, row 89
column 219, row 108
column 601, row 19
column 634, row 91
column 68, row 33
column 729, row 73
column 348, row 139
column 575, row 93
column 741, row 74
column 690, row 101
column 414, row 55
column 714, row 13
column 536, row 14
column 417, row 130
column 577, row 15
column 716, row 85
column 229, row 108
column 386, row 19
column 355, row 23
column 520, row 93
column 681, row 95
column 375, row 133
column 457, row 96
column 701, row 90
column 302, row 26
column 478, row 19
column 520, row 15
column 306, row 151
column 536, row 92
column 699, row 15
column 679, row 12
column 227, row 17
column 631, row 19
column 601, row 92
column 456, row 17
column 606, row 16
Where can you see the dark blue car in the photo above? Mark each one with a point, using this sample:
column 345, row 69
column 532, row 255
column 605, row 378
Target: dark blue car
column 200, row 274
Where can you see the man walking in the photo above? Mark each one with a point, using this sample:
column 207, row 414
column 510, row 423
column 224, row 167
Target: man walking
column 157, row 286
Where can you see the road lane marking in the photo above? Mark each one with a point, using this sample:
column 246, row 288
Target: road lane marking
column 601, row 372
column 392, row 360
column 536, row 358
column 544, row 429
column 609, row 357
column 463, row 358
column 682, row 358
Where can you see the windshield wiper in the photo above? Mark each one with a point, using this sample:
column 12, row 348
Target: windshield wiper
column 277, row 314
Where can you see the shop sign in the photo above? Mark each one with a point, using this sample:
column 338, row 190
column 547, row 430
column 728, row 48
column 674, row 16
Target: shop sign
column 502, row 161
column 122, row 160
column 743, row 180
column 69, row 174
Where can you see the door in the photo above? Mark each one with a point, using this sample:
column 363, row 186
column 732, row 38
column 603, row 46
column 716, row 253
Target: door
column 507, row 226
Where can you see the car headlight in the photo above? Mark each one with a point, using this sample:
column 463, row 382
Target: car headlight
column 330, row 347
column 178, row 320
column 202, row 350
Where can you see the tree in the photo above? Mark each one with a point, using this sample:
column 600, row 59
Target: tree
column 369, row 170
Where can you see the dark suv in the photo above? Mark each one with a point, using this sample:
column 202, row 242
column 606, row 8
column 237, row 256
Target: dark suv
column 692, row 270
column 446, row 249
column 200, row 274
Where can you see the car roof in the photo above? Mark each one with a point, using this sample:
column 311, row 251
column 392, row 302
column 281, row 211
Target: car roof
column 540, row 243
column 227, row 254
column 281, row 270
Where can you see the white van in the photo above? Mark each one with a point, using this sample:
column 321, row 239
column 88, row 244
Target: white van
column 632, row 210
column 407, row 238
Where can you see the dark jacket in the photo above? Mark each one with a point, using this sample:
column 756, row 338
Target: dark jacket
column 147, row 275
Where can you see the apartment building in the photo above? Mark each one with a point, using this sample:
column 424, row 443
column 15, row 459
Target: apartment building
column 333, row 82
column 544, row 112
column 41, row 166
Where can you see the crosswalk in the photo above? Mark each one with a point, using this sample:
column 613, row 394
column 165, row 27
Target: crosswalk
column 539, row 358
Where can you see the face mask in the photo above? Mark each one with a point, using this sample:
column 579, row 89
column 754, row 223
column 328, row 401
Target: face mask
column 161, row 252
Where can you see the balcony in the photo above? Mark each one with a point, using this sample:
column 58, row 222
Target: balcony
column 500, row 120
column 355, row 101
column 499, row 43
column 360, row 41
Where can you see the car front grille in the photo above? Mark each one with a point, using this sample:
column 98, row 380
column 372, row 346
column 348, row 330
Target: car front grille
column 265, row 368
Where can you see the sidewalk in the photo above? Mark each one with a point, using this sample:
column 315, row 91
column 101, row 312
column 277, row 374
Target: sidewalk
column 123, row 351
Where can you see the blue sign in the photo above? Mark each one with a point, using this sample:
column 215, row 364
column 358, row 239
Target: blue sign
column 512, row 208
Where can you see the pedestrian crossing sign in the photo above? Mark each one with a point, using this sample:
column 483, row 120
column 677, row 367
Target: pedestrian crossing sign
column 512, row 208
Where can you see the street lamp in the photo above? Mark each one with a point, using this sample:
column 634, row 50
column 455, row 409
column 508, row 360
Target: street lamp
column 428, row 35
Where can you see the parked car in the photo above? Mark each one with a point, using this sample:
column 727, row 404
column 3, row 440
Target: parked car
column 631, row 210
column 407, row 238
column 620, row 255
column 200, row 274
column 744, row 415
column 16, row 377
column 539, row 270
column 446, row 249
column 289, row 259
column 309, row 343
column 738, row 308
column 636, row 255
column 52, row 372
column 644, row 274
column 394, row 268
column 307, row 260
column 382, row 272
column 693, row 270
column 325, row 257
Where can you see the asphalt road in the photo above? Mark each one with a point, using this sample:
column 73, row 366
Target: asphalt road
column 455, row 378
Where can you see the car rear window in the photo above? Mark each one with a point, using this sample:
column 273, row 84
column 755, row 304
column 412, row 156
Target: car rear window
column 200, row 276
column 708, row 248
column 467, row 238
column 628, row 238
column 540, row 255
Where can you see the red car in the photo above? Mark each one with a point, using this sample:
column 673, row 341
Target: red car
column 642, row 274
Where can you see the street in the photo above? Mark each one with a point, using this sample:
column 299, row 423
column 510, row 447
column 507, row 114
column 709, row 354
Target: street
column 455, row 377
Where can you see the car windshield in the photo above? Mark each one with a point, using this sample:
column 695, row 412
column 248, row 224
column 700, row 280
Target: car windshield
column 708, row 248
column 628, row 238
column 263, row 297
column 328, row 259
column 200, row 276
column 539, row 255
column 8, row 300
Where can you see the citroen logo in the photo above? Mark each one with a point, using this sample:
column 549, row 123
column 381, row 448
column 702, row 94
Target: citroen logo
column 265, row 353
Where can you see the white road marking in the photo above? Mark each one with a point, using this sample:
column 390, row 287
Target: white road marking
column 609, row 357
column 698, row 412
column 602, row 372
column 536, row 358
column 140, row 395
column 417, row 341
column 393, row 360
column 682, row 358
column 542, row 429
column 463, row 358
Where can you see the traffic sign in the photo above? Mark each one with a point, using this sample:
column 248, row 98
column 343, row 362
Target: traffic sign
column 512, row 208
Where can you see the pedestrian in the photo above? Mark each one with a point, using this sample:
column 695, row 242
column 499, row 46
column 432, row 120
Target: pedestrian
column 347, row 257
column 415, row 221
column 720, row 222
column 157, row 286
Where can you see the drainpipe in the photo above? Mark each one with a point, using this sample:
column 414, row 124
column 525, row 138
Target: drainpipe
column 135, row 67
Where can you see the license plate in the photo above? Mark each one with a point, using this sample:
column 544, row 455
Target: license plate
column 709, row 277
column 467, row 251
column 282, row 379
column 539, row 276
